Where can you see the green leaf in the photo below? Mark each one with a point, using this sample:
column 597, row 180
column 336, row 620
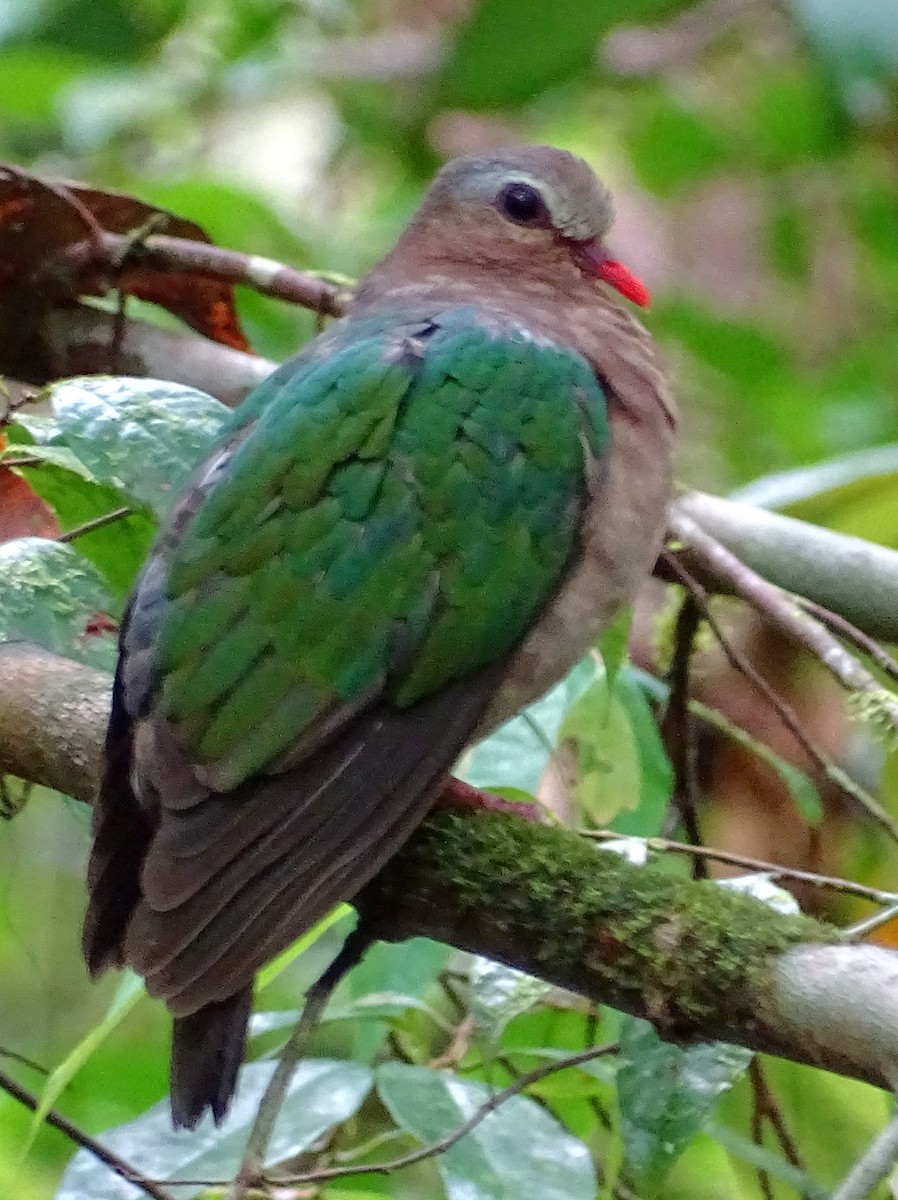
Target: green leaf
column 789, row 243
column 333, row 1193
column 518, row 1152
column 127, row 994
column 820, row 486
column 748, row 355
column 344, row 1193
column 672, row 148
column 116, row 550
column 309, row 956
column 31, row 78
column 801, row 788
column 383, row 1006
column 518, row 752
column 666, row 1094
column 321, row 1094
column 507, row 51
column 143, row 436
column 856, row 494
column 48, row 593
column 765, row 1160
column 492, row 64
column 497, row 994
column 795, row 120
column 655, row 772
column 613, row 643
column 607, row 755
column 407, row 967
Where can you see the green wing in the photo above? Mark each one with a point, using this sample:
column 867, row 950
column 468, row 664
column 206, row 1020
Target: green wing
column 393, row 521
column 319, row 632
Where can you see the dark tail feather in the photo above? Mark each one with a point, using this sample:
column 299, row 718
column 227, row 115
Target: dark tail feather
column 206, row 1052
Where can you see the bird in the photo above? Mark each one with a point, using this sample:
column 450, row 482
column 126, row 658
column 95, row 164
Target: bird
column 404, row 535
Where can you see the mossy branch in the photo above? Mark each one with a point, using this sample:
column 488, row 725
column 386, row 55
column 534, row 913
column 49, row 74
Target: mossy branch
column 695, row 959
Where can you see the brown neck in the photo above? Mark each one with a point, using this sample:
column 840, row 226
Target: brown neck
column 570, row 309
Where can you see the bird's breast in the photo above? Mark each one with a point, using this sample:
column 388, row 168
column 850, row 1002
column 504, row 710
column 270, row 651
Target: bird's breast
column 621, row 535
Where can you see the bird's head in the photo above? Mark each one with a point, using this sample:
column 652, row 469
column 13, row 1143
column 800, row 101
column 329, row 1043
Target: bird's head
column 532, row 211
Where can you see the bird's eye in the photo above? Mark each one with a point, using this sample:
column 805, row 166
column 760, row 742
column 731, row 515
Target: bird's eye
column 522, row 204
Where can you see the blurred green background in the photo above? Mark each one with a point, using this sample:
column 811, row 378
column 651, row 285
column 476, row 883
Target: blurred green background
column 752, row 147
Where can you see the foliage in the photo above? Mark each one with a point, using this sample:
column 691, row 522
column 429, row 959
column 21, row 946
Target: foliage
column 755, row 172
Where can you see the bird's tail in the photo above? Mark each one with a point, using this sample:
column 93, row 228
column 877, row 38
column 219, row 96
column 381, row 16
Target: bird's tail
column 206, row 1052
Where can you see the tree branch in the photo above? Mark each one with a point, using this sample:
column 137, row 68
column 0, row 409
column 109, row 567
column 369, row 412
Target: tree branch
column 116, row 1164
column 697, row 960
column 854, row 578
column 181, row 256
column 78, row 341
column 788, row 616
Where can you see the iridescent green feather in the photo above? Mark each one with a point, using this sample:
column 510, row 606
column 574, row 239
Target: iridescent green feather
column 402, row 503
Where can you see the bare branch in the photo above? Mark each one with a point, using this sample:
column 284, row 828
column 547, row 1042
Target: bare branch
column 118, row 1165
column 96, row 523
column 838, row 625
column 784, row 711
column 774, row 870
column 785, row 613
column 852, row 577
column 872, row 1167
column 446, row 1143
column 182, row 256
column 677, row 730
column 78, row 341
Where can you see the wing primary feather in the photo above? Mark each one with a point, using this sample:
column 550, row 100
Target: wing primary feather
column 194, row 954
column 122, row 835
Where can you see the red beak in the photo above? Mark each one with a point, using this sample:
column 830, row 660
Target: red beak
column 593, row 259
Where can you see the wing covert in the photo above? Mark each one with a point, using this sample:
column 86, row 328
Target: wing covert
column 398, row 512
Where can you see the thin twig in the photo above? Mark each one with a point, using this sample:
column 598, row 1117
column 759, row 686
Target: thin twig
column 714, row 718
column 872, row 1167
column 768, row 1107
column 96, row 523
column 781, row 609
column 860, row 929
column 108, row 518
column 495, row 1101
column 123, row 1169
column 175, row 255
column 134, row 239
column 458, row 1047
column 27, row 460
column 59, row 189
column 757, row 1136
column 844, row 628
column 317, row 998
column 677, row 730
column 833, row 882
column 846, row 574
column 784, row 711
column 446, row 1143
column 270, row 1105
column 21, row 1058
